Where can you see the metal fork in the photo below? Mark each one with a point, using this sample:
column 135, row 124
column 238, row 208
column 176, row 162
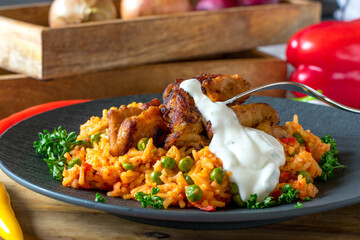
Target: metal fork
column 297, row 87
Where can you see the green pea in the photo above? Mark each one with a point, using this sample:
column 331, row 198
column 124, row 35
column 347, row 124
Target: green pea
column 142, row 144
column 155, row 177
column 238, row 201
column 168, row 162
column 185, row 164
column 73, row 162
column 234, row 189
column 218, row 175
column 128, row 166
column 188, row 179
column 193, row 193
column 86, row 142
column 298, row 137
column 307, row 176
column 95, row 137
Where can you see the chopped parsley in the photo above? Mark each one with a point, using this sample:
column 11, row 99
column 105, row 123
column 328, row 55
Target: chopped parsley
column 99, row 198
column 252, row 203
column 329, row 161
column 298, row 205
column 289, row 195
column 332, row 141
column 53, row 146
column 150, row 199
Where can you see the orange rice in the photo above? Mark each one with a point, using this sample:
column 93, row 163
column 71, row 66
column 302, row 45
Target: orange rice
column 100, row 170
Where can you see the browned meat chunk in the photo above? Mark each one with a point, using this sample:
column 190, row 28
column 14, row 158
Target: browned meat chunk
column 273, row 130
column 185, row 121
column 223, row 87
column 217, row 87
column 183, row 118
column 155, row 102
column 251, row 115
column 149, row 123
column 117, row 116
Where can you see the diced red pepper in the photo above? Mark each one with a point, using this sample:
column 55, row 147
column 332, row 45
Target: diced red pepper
column 286, row 177
column 276, row 194
column 290, row 140
column 208, row 208
column 87, row 167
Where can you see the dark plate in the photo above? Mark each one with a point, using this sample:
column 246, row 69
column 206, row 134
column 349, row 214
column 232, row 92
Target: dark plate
column 19, row 161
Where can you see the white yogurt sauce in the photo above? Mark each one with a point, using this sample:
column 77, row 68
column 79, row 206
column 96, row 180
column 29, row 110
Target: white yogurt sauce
column 253, row 156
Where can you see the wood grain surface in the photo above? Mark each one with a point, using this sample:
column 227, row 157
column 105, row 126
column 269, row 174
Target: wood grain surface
column 47, row 219
column 18, row 92
column 32, row 48
column 20, row 45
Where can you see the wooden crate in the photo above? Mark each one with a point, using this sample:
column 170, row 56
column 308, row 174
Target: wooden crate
column 30, row 47
column 18, row 91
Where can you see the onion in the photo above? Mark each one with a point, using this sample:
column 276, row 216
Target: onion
column 255, row 2
column 215, row 4
column 131, row 9
column 69, row 12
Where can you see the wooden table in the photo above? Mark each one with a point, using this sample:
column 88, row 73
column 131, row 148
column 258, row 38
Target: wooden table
column 44, row 218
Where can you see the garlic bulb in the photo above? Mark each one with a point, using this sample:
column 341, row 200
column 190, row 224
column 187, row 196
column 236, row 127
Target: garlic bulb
column 70, row 12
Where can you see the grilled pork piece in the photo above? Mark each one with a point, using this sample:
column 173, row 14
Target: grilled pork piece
column 261, row 116
column 149, row 123
column 223, row 87
column 251, row 115
column 117, row 116
column 184, row 119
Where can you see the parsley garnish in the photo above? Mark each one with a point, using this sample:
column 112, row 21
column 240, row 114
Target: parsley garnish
column 150, row 199
column 329, row 161
column 99, row 198
column 298, row 205
column 53, row 146
column 253, row 204
column 289, row 195
column 332, row 141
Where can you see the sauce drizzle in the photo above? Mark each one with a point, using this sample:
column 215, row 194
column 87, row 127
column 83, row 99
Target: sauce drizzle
column 253, row 156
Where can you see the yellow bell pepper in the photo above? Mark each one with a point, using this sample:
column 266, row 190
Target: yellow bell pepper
column 9, row 226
